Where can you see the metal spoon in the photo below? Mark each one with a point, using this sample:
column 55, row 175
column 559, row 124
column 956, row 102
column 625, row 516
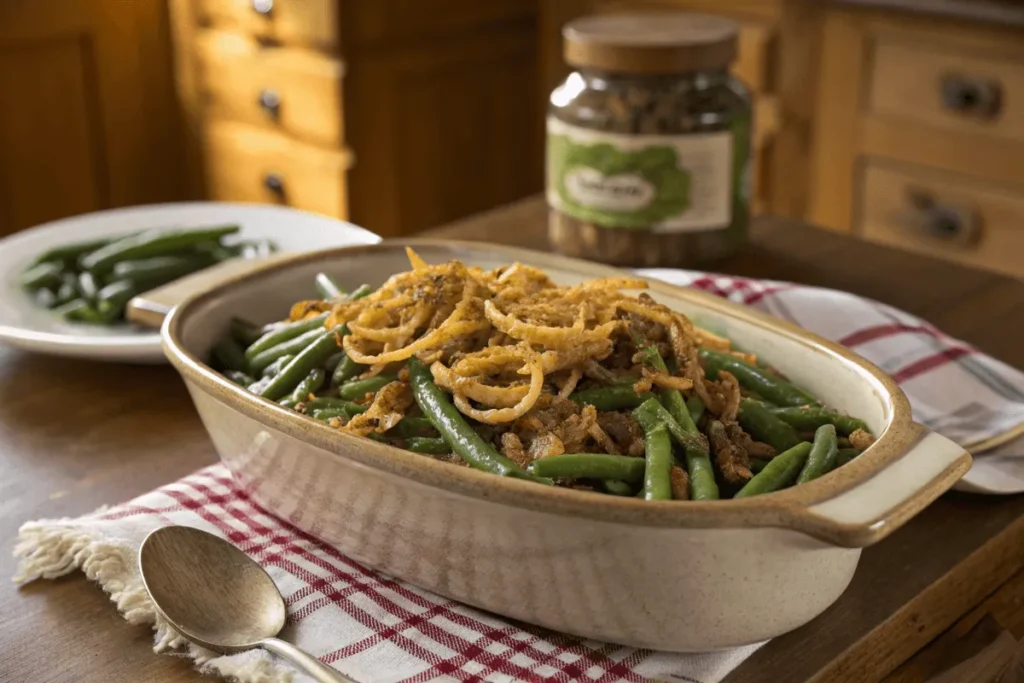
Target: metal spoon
column 214, row 595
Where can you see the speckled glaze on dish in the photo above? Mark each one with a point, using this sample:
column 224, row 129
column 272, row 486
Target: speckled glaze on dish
column 681, row 576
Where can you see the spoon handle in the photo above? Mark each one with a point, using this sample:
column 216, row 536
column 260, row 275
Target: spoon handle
column 309, row 665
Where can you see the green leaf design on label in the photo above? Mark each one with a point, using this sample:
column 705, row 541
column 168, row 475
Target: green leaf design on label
column 601, row 184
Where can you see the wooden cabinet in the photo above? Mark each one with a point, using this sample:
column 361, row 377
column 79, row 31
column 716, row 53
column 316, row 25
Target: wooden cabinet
column 87, row 113
column 398, row 115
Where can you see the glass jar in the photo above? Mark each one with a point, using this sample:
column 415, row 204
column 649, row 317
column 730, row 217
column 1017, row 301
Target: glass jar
column 648, row 142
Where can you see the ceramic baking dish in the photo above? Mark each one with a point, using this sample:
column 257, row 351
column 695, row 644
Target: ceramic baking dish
column 681, row 576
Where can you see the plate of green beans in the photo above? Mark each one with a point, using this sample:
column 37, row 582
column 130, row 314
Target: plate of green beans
column 66, row 284
column 634, row 423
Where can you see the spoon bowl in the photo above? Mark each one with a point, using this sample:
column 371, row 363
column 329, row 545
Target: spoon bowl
column 216, row 596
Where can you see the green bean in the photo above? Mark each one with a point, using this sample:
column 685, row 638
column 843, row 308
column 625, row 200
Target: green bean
column 823, row 454
column 155, row 242
column 450, row 423
column 46, row 298
column 283, row 332
column 360, row 291
column 289, row 402
column 331, row 364
column 427, row 444
column 409, row 427
column 670, row 398
column 756, row 379
column 255, row 248
column 330, row 403
column 290, row 347
column 695, row 407
column 346, row 370
column 111, row 300
column 87, row 288
column 71, row 252
column 275, row 367
column 67, row 291
column 42, row 275
column 228, row 355
column 259, row 385
column 778, row 473
column 658, row 454
column 590, row 466
column 757, row 464
column 313, row 356
column 763, row 426
column 313, row 381
column 615, row 397
column 327, row 287
column 79, row 310
column 360, row 387
column 239, row 377
column 845, row 455
column 617, row 488
column 326, row 414
column 688, row 440
column 809, row 418
column 160, row 269
column 244, row 332
column 843, row 442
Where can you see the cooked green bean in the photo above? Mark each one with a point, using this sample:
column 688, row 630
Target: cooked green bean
column 590, row 466
column 759, row 380
column 275, row 367
column 427, row 444
column 413, row 426
column 79, row 310
column 331, row 364
column 360, row 291
column 326, row 414
column 288, row 402
column 87, row 288
column 244, row 332
column 283, row 332
column 313, row 356
column 695, row 407
column 228, row 355
column 361, row 387
column 290, row 347
column 698, row 461
column 111, row 300
column 615, row 397
column 757, row 464
column 617, row 488
column 845, row 455
column 763, row 426
column 779, row 473
column 46, row 297
column 239, row 377
column 658, row 453
column 67, row 291
column 327, row 287
column 670, row 398
column 809, row 418
column 159, row 269
column 328, row 402
column 686, row 439
column 42, row 275
column 452, row 426
column 823, row 454
column 346, row 370
column 155, row 242
column 70, row 252
column 313, row 381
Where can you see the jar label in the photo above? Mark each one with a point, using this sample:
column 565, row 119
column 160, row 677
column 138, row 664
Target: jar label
column 664, row 183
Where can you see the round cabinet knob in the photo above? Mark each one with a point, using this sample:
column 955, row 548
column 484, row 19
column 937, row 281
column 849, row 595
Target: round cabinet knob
column 270, row 102
column 274, row 183
column 971, row 96
column 263, row 6
column 947, row 222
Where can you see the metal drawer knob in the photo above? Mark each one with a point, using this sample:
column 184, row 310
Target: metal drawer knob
column 971, row 96
column 274, row 183
column 947, row 222
column 270, row 102
column 263, row 6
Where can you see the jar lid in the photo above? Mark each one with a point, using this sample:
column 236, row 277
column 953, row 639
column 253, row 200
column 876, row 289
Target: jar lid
column 650, row 42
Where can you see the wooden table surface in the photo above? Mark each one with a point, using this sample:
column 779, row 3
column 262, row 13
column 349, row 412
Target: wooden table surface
column 75, row 435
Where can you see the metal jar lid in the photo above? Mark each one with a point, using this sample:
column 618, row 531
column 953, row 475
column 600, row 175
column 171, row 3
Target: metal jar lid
column 650, row 43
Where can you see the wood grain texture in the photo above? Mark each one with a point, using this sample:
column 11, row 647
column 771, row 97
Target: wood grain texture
column 312, row 23
column 123, row 433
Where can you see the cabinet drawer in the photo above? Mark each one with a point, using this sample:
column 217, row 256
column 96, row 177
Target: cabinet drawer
column 246, row 164
column 943, row 214
column 948, row 87
column 294, row 90
column 302, row 22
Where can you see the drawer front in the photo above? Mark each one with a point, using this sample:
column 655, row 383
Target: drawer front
column 942, row 214
column 294, row 90
column 373, row 21
column 948, row 87
column 247, row 164
column 300, row 22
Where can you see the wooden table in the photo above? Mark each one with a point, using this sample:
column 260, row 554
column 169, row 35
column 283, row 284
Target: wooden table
column 75, row 435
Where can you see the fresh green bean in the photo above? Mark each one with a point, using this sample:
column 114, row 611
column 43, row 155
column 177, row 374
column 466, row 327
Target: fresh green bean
column 615, row 397
column 590, row 466
column 809, row 418
column 239, row 377
column 695, row 407
column 658, row 453
column 449, row 422
column 228, row 355
column 290, row 347
column 275, row 367
column 756, row 379
column 313, row 356
column 45, row 274
column 283, row 332
column 617, row 488
column 327, row 287
column 81, row 311
column 313, row 381
column 155, row 242
column 823, row 454
column 427, row 444
column 360, row 387
column 779, row 473
column 845, row 455
column 346, row 370
column 244, row 332
column 763, row 426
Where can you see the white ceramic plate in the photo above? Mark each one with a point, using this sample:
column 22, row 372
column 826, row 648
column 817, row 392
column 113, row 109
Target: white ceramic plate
column 25, row 325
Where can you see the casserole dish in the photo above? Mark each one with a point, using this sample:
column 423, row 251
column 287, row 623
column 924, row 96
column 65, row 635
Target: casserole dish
column 680, row 576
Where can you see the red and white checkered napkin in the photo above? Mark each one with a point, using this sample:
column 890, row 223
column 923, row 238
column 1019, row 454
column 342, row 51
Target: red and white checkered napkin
column 953, row 388
column 377, row 629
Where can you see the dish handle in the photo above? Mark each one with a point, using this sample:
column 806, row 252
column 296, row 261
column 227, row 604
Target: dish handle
column 875, row 507
column 150, row 308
